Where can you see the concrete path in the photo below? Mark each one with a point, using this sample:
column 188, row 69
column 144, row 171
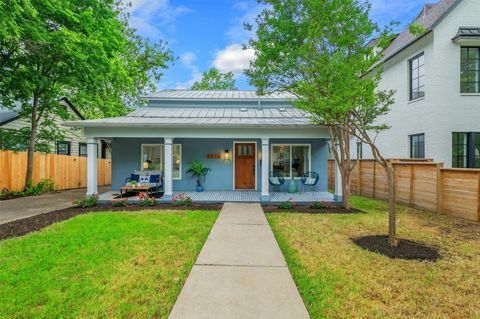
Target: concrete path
column 240, row 272
column 23, row 207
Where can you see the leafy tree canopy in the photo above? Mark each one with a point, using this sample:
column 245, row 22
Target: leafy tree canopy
column 215, row 80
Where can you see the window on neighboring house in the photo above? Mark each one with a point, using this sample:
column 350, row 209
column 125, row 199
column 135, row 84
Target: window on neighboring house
column 153, row 158
column 359, row 150
column 291, row 160
column 64, row 147
column 417, row 77
column 470, row 70
column 466, row 150
column 82, row 149
column 417, row 146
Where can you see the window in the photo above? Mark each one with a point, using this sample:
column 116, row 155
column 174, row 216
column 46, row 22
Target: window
column 359, row 150
column 82, row 149
column 63, row 148
column 470, row 70
column 290, row 160
column 417, row 146
column 417, row 77
column 153, row 158
column 466, row 150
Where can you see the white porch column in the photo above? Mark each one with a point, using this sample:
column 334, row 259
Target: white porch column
column 92, row 167
column 168, row 182
column 265, row 161
column 338, row 184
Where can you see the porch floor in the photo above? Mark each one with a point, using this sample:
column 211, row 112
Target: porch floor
column 238, row 196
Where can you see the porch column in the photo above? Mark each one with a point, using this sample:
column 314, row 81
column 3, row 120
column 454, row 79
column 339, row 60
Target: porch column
column 168, row 182
column 338, row 184
column 265, row 161
column 92, row 167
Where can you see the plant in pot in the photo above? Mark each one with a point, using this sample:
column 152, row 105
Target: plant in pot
column 197, row 170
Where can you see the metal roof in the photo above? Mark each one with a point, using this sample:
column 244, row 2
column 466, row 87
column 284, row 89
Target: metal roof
column 430, row 15
column 217, row 95
column 204, row 117
column 467, row 33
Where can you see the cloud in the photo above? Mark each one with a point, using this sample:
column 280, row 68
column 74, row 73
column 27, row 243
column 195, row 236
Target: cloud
column 188, row 58
column 233, row 59
column 249, row 11
column 404, row 11
column 151, row 17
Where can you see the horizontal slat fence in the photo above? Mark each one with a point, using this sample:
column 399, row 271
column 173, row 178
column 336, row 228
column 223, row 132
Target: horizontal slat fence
column 425, row 185
column 66, row 172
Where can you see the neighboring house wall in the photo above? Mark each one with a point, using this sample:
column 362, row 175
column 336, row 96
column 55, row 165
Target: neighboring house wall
column 444, row 109
column 126, row 157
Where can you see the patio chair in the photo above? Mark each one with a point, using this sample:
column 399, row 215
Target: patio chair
column 276, row 180
column 310, row 179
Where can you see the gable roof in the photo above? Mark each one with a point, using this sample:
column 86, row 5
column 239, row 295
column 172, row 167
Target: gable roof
column 429, row 17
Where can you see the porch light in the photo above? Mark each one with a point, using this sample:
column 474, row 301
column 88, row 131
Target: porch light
column 227, row 155
column 145, row 165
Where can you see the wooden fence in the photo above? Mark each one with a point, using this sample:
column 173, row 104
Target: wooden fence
column 66, row 172
column 425, row 185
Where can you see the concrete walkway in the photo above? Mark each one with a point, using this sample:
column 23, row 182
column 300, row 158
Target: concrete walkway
column 240, row 272
column 24, row 207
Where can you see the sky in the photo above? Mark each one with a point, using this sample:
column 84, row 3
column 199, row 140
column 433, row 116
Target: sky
column 206, row 33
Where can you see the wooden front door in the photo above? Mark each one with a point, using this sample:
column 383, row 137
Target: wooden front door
column 245, row 160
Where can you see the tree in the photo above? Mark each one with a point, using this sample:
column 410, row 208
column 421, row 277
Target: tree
column 317, row 50
column 81, row 48
column 215, row 80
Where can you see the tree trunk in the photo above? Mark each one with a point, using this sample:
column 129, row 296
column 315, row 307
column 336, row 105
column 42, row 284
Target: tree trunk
column 346, row 190
column 392, row 222
column 32, row 141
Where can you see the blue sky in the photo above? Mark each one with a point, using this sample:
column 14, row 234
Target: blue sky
column 209, row 33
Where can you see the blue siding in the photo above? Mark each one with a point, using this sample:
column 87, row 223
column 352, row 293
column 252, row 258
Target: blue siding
column 126, row 157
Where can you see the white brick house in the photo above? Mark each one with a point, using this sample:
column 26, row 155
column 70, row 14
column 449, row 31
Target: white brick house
column 437, row 81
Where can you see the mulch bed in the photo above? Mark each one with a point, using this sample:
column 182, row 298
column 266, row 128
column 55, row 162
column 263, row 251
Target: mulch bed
column 333, row 209
column 406, row 249
column 27, row 225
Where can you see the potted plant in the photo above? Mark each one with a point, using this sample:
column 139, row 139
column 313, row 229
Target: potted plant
column 198, row 170
column 133, row 184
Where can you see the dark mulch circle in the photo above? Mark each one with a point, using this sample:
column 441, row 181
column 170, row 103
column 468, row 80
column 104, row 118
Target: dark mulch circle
column 27, row 225
column 306, row 209
column 406, row 249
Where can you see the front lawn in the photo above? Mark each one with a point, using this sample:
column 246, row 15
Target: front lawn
column 338, row 279
column 112, row 265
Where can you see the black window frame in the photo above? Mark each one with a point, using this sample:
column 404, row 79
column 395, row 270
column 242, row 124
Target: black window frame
column 465, row 86
column 80, row 145
column 420, row 152
column 469, row 157
column 411, row 70
column 359, row 150
column 69, row 147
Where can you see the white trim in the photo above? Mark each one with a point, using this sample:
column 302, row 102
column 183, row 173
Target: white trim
column 256, row 162
column 290, row 145
column 181, row 161
column 162, row 155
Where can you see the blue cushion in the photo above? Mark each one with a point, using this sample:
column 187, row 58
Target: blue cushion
column 154, row 178
column 134, row 177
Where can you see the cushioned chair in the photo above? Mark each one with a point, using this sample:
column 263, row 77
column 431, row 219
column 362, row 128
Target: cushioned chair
column 276, row 180
column 310, row 179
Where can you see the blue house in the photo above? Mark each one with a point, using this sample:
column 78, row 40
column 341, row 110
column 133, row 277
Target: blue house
column 250, row 143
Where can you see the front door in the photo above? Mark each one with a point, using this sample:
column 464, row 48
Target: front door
column 245, row 159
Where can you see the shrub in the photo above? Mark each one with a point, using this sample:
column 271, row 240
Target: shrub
column 318, row 205
column 45, row 185
column 86, row 202
column 123, row 202
column 287, row 205
column 182, row 200
column 148, row 201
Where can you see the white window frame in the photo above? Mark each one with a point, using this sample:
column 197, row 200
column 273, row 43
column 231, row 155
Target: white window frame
column 290, row 145
column 162, row 146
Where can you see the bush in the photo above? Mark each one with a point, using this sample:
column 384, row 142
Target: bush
column 86, row 202
column 45, row 185
column 318, row 205
column 182, row 200
column 287, row 205
column 123, row 202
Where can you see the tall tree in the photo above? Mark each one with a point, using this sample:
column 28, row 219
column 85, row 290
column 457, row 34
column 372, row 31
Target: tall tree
column 215, row 80
column 81, row 48
column 317, row 50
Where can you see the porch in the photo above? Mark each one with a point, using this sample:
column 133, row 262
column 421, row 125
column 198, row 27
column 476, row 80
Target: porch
column 247, row 196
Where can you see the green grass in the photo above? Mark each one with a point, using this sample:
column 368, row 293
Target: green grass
column 338, row 279
column 107, row 265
